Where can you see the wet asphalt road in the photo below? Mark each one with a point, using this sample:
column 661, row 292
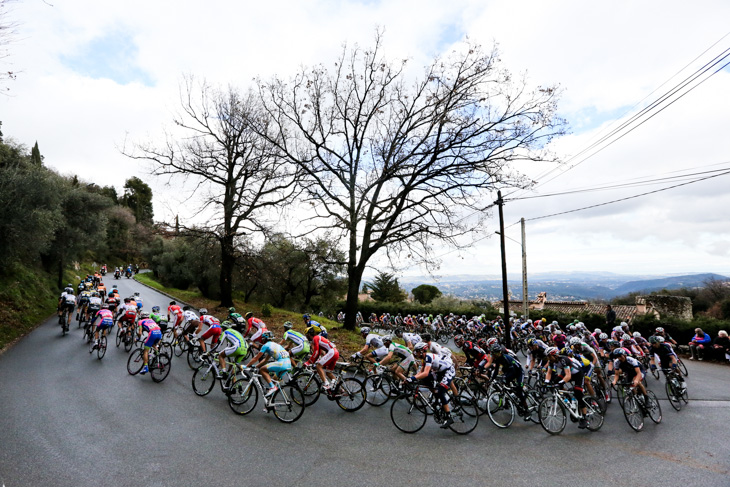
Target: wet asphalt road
column 68, row 419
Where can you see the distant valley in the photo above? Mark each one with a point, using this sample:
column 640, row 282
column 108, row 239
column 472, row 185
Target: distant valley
column 566, row 286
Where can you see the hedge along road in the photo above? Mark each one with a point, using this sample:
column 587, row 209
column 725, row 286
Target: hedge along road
column 68, row 419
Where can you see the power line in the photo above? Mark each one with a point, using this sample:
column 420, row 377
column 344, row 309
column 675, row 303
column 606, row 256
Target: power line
column 628, row 197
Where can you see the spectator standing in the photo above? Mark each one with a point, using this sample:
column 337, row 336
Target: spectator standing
column 610, row 316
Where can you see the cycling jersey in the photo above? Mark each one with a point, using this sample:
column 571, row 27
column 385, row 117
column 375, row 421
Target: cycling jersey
column 510, row 365
column 439, row 364
column 326, row 349
column 628, row 366
column 474, row 354
column 155, row 334
column 94, row 302
column 233, row 344
column 438, row 349
column 412, row 338
column 374, row 341
column 301, row 344
column 255, row 323
column 105, row 317
column 190, row 316
column 275, row 351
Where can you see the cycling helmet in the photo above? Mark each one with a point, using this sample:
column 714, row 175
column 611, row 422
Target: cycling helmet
column 496, row 348
column 602, row 336
column 457, row 339
column 136, row 293
column 538, row 328
column 531, row 341
column 305, row 316
column 653, row 339
column 552, row 351
column 364, row 330
column 203, row 311
column 426, row 337
column 310, row 331
column 618, row 329
column 574, row 341
column 249, row 315
column 624, row 324
column 660, row 339
column 637, row 334
column 268, row 335
column 659, row 329
column 625, row 336
column 618, row 352
column 613, row 343
column 287, row 325
column 399, row 332
column 68, row 290
column 155, row 309
column 231, row 309
column 144, row 314
column 114, row 286
column 566, row 351
column 420, row 347
column 597, row 331
column 482, row 343
column 491, row 341
column 387, row 339
column 226, row 324
column 571, row 328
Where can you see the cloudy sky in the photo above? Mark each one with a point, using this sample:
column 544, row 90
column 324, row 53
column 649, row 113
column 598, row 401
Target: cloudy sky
column 94, row 76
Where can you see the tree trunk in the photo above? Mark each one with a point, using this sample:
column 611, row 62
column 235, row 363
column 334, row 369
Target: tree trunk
column 60, row 273
column 354, row 276
column 228, row 260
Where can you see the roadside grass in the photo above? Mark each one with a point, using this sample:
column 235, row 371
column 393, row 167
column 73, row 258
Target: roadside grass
column 348, row 342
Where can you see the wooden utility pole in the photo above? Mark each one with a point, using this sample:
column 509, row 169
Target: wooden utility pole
column 505, row 289
column 525, row 306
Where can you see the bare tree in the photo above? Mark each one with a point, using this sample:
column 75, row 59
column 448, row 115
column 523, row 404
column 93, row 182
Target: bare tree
column 395, row 163
column 7, row 35
column 238, row 173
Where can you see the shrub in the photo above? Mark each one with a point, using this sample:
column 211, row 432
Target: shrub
column 266, row 310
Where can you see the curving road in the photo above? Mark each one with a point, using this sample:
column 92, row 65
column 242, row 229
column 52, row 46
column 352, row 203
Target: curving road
column 68, row 419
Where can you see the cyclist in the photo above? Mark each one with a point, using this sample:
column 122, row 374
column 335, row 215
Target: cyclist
column 174, row 314
column 588, row 354
column 324, row 356
column 154, row 335
column 191, row 323
column 316, row 325
column 105, row 321
column 567, row 369
column 214, row 329
column 410, row 339
column 298, row 346
column 233, row 345
column 475, row 356
column 667, row 357
column 66, row 305
column 440, row 370
column 513, row 372
column 259, row 326
column 400, row 355
column 373, row 342
column 536, row 353
column 667, row 339
column 271, row 350
column 631, row 367
column 159, row 319
column 82, row 303
column 127, row 314
column 94, row 305
column 239, row 322
column 139, row 301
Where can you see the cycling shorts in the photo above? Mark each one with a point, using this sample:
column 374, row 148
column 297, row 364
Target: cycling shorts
column 588, row 371
column 155, row 336
column 212, row 332
column 299, row 350
column 280, row 367
column 444, row 378
column 380, row 353
column 329, row 360
column 257, row 336
column 68, row 306
column 406, row 363
column 107, row 323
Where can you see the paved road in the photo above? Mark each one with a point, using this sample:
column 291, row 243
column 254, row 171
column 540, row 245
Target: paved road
column 68, row 419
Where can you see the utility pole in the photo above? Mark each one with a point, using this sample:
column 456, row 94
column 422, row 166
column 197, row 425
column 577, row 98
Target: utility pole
column 525, row 306
column 505, row 290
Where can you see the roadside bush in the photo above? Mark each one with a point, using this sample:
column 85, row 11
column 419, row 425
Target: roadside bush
column 266, row 310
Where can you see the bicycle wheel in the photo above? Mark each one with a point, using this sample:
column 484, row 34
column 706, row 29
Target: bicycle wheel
column 288, row 403
column 682, row 368
column 501, row 409
column 653, row 408
column 683, row 392
column 160, row 368
column 594, row 413
column 408, row 413
column 533, row 403
column 194, row 360
column 633, row 413
column 243, row 397
column 101, row 349
column 654, row 372
column 135, row 361
column 128, row 341
column 621, row 394
column 179, row 345
column 120, row 334
column 350, row 394
column 204, row 380
column 378, row 388
column 465, row 414
column 673, row 395
column 310, row 386
column 553, row 417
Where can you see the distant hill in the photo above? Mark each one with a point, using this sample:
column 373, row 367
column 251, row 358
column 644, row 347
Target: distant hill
column 563, row 286
column 675, row 282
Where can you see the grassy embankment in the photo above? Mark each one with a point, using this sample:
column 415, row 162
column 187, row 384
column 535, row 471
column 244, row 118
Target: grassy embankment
column 27, row 297
column 348, row 342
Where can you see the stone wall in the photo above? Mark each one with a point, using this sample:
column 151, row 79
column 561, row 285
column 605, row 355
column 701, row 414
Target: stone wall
column 665, row 306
